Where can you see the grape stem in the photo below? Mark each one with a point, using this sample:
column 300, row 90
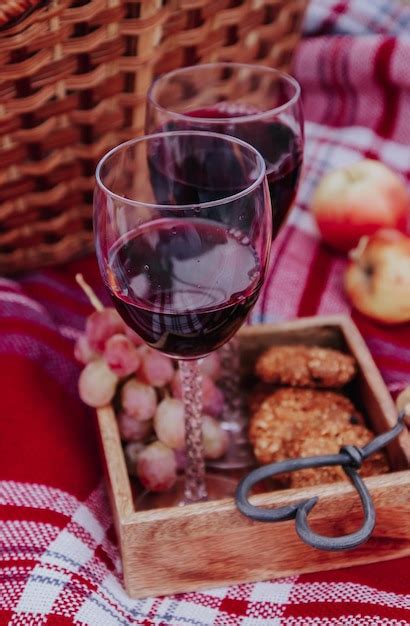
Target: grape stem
column 89, row 292
column 357, row 253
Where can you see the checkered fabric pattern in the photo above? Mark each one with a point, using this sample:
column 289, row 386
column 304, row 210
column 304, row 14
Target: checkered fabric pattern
column 59, row 561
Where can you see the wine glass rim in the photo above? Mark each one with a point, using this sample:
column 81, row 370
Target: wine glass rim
column 250, row 117
column 178, row 207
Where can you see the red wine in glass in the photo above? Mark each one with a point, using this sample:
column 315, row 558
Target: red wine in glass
column 184, row 286
column 277, row 143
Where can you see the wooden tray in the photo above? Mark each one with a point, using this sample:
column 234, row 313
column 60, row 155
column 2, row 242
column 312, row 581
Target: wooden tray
column 209, row 544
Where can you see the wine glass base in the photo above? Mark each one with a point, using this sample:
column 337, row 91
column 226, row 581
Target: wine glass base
column 237, row 456
column 233, row 462
column 218, row 487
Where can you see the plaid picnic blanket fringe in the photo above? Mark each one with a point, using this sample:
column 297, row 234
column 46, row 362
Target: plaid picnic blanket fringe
column 59, row 561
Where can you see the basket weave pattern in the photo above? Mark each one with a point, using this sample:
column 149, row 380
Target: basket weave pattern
column 73, row 81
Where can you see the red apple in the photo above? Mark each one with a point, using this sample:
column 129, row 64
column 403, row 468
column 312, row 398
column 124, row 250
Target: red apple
column 358, row 200
column 377, row 279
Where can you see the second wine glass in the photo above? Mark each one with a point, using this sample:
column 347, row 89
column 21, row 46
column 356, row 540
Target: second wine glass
column 261, row 106
column 183, row 232
column 256, row 103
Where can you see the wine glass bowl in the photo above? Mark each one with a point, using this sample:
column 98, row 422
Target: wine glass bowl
column 257, row 104
column 183, row 230
column 182, row 272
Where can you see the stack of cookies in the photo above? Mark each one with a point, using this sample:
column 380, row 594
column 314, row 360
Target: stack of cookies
column 297, row 409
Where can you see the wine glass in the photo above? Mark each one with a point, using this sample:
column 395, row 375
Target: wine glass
column 255, row 103
column 261, row 106
column 183, row 229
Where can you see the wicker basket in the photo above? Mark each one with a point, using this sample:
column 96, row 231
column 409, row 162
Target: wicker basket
column 73, row 80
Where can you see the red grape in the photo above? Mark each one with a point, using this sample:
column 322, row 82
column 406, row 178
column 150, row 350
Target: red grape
column 97, row 384
column 132, row 429
column 156, row 467
column 169, row 423
column 121, row 355
column 180, row 457
column 131, row 452
column 83, row 351
column 132, row 335
column 176, row 385
column 215, row 439
column 101, row 325
column 138, row 400
column 156, row 368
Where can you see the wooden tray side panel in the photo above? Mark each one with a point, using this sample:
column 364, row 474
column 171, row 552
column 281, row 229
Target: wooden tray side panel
column 219, row 546
column 118, row 482
column 375, row 397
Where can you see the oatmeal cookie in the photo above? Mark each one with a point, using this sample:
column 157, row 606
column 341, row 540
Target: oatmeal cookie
column 304, row 366
column 293, row 423
column 358, row 436
column 290, row 415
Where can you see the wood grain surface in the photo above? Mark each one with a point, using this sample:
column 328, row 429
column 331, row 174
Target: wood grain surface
column 212, row 544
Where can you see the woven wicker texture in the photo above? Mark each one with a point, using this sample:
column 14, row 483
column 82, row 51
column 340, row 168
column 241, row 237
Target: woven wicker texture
column 13, row 10
column 73, row 81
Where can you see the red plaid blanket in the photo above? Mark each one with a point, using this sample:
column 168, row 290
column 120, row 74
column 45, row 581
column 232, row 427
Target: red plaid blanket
column 59, row 562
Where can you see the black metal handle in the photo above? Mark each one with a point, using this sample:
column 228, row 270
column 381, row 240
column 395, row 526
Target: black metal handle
column 350, row 458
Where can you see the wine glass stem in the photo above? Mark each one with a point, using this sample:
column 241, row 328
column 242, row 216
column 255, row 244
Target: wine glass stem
column 231, row 384
column 195, row 487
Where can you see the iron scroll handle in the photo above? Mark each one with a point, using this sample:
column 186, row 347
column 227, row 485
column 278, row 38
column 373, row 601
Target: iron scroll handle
column 350, row 459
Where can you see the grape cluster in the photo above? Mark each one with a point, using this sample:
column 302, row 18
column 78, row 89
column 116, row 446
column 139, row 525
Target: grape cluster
column 144, row 387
